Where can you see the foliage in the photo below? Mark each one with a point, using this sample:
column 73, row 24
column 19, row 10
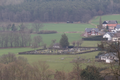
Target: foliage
column 51, row 10
column 100, row 24
column 7, row 58
column 107, row 28
column 105, row 18
column 36, row 41
column 94, row 38
column 47, row 32
column 90, row 73
column 114, row 48
column 37, row 25
column 22, row 27
column 19, row 68
column 64, row 41
column 14, row 28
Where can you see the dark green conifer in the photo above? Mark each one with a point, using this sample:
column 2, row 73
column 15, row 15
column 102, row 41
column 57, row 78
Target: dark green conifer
column 64, row 41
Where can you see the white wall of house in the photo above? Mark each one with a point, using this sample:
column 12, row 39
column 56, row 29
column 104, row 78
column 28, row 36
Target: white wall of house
column 117, row 29
column 108, row 60
column 104, row 25
column 107, row 36
column 103, row 57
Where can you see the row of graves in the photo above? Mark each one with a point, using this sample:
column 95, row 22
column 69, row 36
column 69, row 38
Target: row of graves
column 60, row 51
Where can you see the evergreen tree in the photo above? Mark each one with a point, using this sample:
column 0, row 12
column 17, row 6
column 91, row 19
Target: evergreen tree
column 64, row 41
column 14, row 28
column 107, row 28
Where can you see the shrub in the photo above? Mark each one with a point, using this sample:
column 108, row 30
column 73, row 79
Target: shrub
column 90, row 73
column 47, row 32
column 94, row 38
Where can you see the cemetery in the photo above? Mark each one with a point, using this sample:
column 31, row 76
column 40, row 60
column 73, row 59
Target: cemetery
column 66, row 51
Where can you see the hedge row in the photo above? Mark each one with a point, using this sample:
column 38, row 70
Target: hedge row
column 47, row 32
column 94, row 38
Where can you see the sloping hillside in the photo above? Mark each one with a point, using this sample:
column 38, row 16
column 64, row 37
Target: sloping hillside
column 10, row 2
column 95, row 20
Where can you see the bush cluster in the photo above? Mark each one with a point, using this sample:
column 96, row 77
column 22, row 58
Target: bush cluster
column 94, row 38
column 47, row 32
column 18, row 68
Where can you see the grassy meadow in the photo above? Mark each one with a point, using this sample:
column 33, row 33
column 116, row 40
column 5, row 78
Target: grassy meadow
column 54, row 61
column 106, row 17
column 62, row 28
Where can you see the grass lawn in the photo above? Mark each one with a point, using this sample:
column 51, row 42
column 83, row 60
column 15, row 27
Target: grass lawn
column 55, row 62
column 47, row 38
column 106, row 17
column 90, row 43
column 64, row 27
column 14, row 50
column 61, row 28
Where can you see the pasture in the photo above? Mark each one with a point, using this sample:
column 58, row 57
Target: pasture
column 63, row 27
column 72, row 30
column 55, row 62
column 106, row 17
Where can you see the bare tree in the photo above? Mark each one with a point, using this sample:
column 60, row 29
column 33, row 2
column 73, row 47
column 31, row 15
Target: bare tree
column 73, row 43
column 7, row 58
column 60, row 75
column 37, row 25
column 112, row 47
column 41, row 71
column 8, row 27
column 36, row 41
column 75, row 74
column 80, row 42
column 22, row 27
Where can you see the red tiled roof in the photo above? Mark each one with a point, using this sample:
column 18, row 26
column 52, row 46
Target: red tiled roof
column 114, row 25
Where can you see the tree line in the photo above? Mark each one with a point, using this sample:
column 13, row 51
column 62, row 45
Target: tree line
column 18, row 68
column 58, row 10
column 18, row 39
column 12, row 35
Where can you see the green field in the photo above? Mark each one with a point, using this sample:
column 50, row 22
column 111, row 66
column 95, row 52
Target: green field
column 64, row 27
column 106, row 17
column 61, row 28
column 54, row 61
column 47, row 38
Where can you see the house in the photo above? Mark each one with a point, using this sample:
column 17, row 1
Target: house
column 56, row 45
column 117, row 28
column 108, row 35
column 116, row 37
column 104, row 24
column 91, row 31
column 110, row 24
column 109, row 57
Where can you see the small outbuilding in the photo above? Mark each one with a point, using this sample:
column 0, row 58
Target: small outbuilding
column 56, row 45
